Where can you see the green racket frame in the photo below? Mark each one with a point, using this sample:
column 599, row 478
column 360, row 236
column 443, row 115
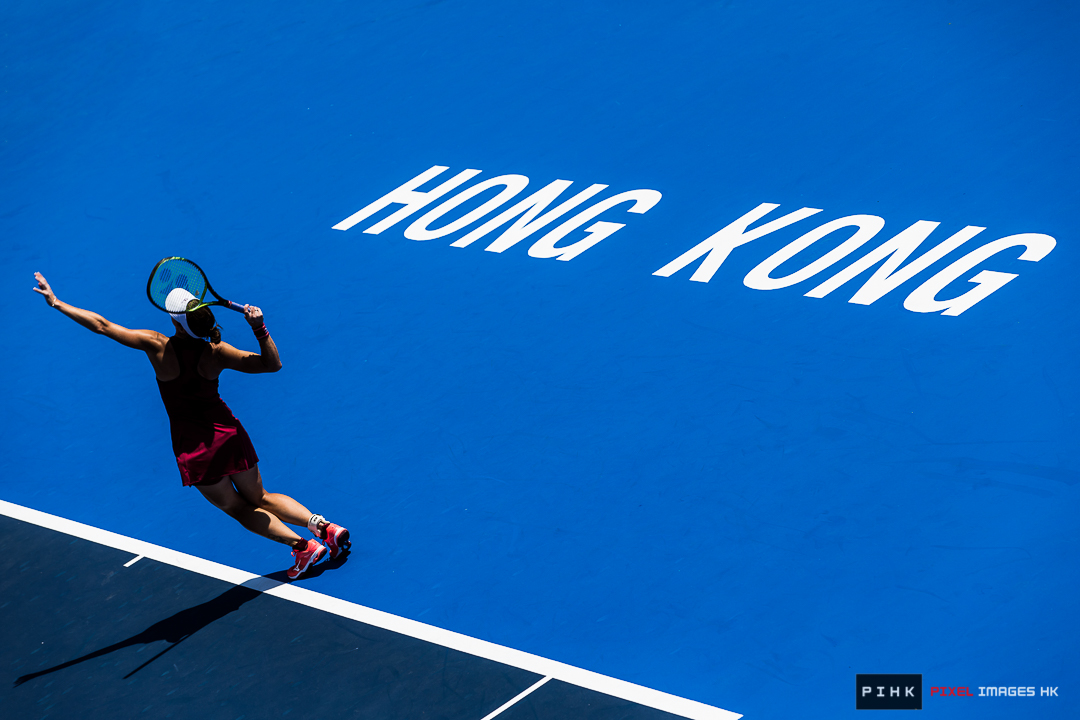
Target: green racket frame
column 177, row 272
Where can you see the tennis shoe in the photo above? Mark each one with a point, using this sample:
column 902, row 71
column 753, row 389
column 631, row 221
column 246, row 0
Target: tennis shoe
column 311, row 554
column 336, row 539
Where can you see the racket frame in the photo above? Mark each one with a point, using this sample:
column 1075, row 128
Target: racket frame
column 219, row 301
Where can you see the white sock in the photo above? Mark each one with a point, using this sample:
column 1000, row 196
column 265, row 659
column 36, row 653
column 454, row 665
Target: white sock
column 313, row 524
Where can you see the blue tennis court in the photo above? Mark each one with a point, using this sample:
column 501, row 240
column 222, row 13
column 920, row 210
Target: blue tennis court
column 664, row 360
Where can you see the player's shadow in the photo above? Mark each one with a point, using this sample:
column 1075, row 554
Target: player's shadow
column 184, row 624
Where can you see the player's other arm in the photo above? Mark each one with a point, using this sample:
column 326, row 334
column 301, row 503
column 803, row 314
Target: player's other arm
column 264, row 361
column 145, row 340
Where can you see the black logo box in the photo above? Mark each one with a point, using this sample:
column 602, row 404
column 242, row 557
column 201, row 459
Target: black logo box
column 888, row 692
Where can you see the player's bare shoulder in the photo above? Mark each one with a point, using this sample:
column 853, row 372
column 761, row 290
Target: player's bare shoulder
column 223, row 356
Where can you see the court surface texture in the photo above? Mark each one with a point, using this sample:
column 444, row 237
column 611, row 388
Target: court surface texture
column 682, row 359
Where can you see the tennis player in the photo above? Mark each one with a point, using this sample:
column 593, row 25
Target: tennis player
column 213, row 451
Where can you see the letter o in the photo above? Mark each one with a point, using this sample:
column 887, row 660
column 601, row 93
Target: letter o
column 759, row 278
column 419, row 229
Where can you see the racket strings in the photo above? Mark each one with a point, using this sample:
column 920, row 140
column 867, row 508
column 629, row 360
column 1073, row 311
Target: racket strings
column 173, row 273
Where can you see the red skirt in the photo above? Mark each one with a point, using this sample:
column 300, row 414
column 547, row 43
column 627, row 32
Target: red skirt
column 205, row 455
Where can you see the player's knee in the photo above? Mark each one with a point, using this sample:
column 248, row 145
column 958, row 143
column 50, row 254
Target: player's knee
column 264, row 501
column 234, row 506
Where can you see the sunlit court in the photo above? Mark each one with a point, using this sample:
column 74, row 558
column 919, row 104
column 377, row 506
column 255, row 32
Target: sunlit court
column 601, row 360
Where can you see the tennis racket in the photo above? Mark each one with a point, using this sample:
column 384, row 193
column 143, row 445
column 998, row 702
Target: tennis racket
column 178, row 272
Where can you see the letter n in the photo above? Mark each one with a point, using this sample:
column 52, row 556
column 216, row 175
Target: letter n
column 894, row 252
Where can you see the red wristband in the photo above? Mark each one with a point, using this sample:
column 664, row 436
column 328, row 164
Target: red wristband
column 261, row 331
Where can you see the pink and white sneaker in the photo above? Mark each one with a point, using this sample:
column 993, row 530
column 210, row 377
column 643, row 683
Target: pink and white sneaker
column 336, row 539
column 305, row 558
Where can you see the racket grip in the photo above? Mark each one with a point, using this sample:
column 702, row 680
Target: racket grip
column 234, row 306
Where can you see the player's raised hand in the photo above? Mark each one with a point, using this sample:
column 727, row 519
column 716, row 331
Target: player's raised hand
column 44, row 289
column 253, row 315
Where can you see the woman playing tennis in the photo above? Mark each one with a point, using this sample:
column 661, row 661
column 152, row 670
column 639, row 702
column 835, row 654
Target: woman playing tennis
column 212, row 448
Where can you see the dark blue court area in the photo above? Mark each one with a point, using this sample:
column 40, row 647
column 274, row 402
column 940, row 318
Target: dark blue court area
column 97, row 638
column 700, row 355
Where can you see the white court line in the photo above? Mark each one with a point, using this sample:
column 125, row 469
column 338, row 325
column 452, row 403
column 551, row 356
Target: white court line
column 134, row 560
column 455, row 641
column 516, row 699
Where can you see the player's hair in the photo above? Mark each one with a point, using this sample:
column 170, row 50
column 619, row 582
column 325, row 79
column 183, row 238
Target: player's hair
column 203, row 323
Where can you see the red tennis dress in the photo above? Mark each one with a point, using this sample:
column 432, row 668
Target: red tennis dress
column 207, row 439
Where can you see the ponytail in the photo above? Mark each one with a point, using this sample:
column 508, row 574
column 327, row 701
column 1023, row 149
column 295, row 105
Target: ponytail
column 203, row 324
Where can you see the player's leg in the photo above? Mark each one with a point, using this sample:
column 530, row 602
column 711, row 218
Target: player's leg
column 249, row 484
column 306, row 553
column 224, row 496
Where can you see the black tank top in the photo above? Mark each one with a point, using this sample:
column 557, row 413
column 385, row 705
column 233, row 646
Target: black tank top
column 189, row 397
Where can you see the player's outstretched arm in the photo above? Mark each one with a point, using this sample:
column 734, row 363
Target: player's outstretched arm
column 145, row 340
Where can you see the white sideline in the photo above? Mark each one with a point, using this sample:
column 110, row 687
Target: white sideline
column 516, row 699
column 455, row 641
